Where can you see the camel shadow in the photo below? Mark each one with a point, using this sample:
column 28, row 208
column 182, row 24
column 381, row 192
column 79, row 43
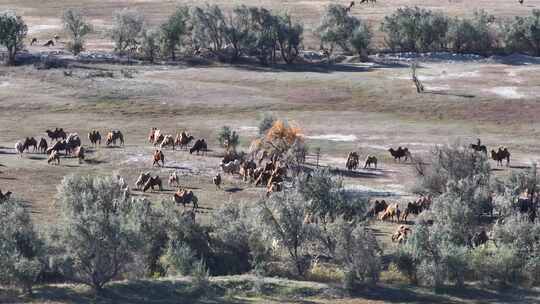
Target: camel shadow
column 94, row 161
column 36, row 158
column 446, row 93
column 6, row 152
column 8, row 178
column 177, row 168
column 233, row 190
column 358, row 174
column 520, row 167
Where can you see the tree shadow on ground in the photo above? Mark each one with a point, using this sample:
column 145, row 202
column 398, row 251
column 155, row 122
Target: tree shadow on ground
column 134, row 292
column 447, row 93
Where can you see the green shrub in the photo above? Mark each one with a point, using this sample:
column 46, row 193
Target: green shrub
column 20, row 247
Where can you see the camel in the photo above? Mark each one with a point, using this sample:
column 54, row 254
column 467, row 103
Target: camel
column 4, row 197
column 168, row 140
column 479, row 238
column 401, row 234
column 30, row 142
column 142, row 179
column 246, row 169
column 183, row 140
column 501, row 154
column 72, row 142
column 19, row 147
column 185, row 197
column 400, row 153
column 348, row 9
column 391, row 212
column 58, row 146
column 42, row 146
column 153, row 182
column 173, row 179
column 95, row 138
column 113, row 136
column 274, row 187
column 370, row 160
column 79, row 153
column 152, row 135
column 412, row 208
column 34, row 41
column 217, row 181
column 478, row 147
column 54, row 156
column 49, row 43
column 56, row 134
column 199, row 145
column 158, row 156
column 352, row 161
column 521, row 2
column 231, row 167
column 378, row 206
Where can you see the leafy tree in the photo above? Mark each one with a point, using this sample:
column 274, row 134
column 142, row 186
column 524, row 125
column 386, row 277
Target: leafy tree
column 264, row 25
column 361, row 39
column 13, row 30
column 127, row 29
column 77, row 27
column 150, row 44
column 337, row 28
column 282, row 218
column 238, row 31
column 228, row 138
column 96, row 238
column 473, row 35
column 209, row 29
column 20, row 247
column 416, row 29
column 523, row 34
column 289, row 37
column 174, row 29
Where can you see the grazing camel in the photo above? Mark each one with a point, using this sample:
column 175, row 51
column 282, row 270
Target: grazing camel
column 30, row 142
column 392, row 212
column 153, row 182
column 501, row 154
column 54, row 156
column 95, row 138
column 185, row 197
column 199, row 146
column 401, row 234
column 158, row 156
column 19, row 147
column 400, row 153
column 42, row 146
column 183, row 140
column 370, row 160
column 168, row 140
column 113, row 136
column 352, row 161
column 217, row 181
column 173, row 179
column 232, row 167
column 141, row 181
column 34, row 41
column 58, row 146
column 49, row 43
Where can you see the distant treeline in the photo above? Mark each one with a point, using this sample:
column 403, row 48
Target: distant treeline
column 270, row 37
